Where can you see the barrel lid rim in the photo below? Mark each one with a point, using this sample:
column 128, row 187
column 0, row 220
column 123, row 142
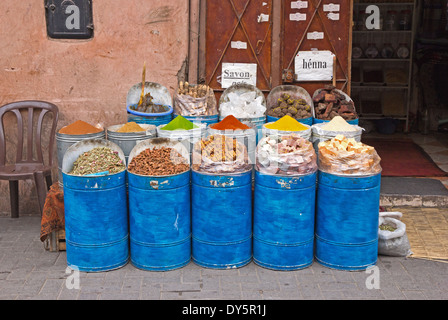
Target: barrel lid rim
column 347, row 175
column 161, row 176
column 145, row 114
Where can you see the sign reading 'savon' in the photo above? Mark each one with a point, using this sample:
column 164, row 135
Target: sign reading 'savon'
column 233, row 73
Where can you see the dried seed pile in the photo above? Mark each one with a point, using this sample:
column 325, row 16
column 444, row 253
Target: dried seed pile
column 330, row 103
column 99, row 159
column 287, row 105
column 162, row 161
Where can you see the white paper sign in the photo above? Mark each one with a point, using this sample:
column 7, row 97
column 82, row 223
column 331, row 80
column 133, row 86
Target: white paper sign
column 333, row 16
column 297, row 16
column 332, row 7
column 315, row 35
column 263, row 18
column 299, row 4
column 233, row 73
column 314, row 66
column 238, row 45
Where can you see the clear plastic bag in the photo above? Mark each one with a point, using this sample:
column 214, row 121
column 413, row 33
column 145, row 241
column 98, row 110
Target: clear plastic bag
column 284, row 97
column 220, row 154
column 346, row 156
column 286, row 155
column 393, row 243
column 187, row 105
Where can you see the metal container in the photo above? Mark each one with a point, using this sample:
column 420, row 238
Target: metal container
column 283, row 228
column 208, row 120
column 96, row 215
column 354, row 121
column 64, row 141
column 127, row 140
column 159, row 215
column 347, row 215
column 305, row 134
column 256, row 124
column 307, row 121
column 187, row 137
column 221, row 220
column 319, row 135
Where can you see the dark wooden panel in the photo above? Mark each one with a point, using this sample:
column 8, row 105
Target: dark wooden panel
column 238, row 20
column 337, row 38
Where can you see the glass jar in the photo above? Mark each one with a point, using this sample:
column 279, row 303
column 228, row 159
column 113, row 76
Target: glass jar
column 390, row 24
column 405, row 20
column 387, row 52
column 371, row 51
column 403, row 51
column 357, row 51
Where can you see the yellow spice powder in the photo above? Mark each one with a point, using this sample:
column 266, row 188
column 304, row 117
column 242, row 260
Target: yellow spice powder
column 130, row 127
column 286, row 123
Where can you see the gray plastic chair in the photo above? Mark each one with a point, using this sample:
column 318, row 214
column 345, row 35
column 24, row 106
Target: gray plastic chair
column 31, row 166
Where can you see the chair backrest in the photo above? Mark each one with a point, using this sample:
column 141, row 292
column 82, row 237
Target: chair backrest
column 34, row 137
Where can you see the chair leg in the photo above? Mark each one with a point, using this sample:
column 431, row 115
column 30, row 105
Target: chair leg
column 14, row 198
column 49, row 181
column 39, row 181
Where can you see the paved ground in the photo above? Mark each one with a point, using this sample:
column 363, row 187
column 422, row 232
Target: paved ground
column 27, row 271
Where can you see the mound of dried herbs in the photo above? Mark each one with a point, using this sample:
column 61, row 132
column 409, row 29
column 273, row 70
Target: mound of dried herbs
column 99, row 159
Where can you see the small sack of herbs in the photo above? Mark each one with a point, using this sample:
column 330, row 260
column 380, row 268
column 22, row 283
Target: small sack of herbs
column 392, row 238
column 98, row 160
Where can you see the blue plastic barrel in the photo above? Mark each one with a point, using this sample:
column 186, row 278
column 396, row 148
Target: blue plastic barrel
column 96, row 222
column 347, row 214
column 157, row 121
column 283, row 229
column 159, row 221
column 222, row 220
column 208, row 120
column 354, row 121
column 308, row 121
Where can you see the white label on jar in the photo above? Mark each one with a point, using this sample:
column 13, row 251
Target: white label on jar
column 297, row 16
column 299, row 4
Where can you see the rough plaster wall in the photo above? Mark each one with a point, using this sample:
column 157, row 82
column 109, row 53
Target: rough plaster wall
column 88, row 79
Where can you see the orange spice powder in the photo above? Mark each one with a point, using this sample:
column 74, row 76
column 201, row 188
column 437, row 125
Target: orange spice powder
column 229, row 123
column 79, row 127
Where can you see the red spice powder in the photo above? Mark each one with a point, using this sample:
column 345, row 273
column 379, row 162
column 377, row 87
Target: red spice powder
column 229, row 123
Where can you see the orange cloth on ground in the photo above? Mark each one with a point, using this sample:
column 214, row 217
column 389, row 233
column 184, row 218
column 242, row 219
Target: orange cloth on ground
column 53, row 217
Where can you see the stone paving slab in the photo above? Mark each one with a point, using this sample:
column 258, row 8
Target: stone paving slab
column 27, row 271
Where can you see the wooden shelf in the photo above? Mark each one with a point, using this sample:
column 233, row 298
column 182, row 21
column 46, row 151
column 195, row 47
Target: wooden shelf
column 381, row 60
column 402, row 87
column 385, row 3
column 380, row 90
column 381, row 31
